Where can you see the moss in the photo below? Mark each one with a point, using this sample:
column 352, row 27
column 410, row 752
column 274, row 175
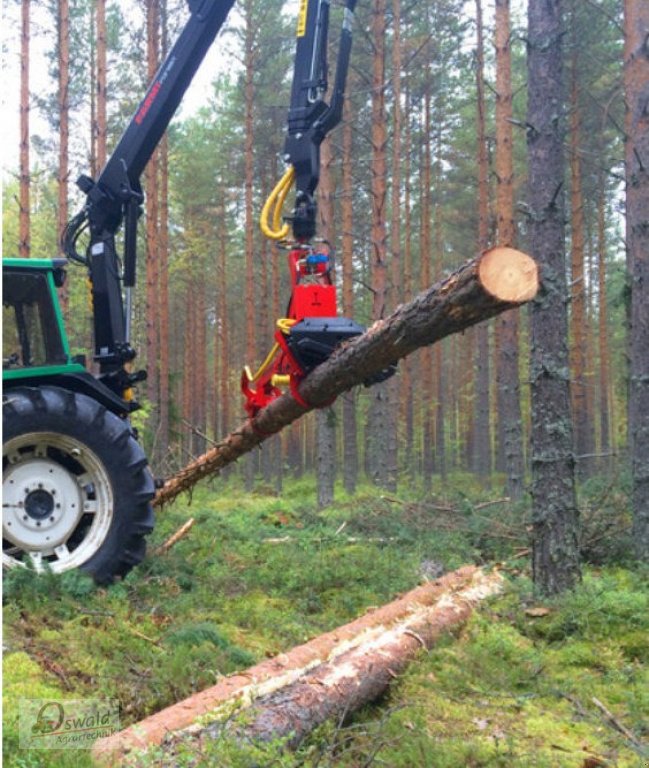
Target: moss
column 513, row 689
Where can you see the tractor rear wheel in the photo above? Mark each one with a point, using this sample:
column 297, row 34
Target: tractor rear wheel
column 76, row 486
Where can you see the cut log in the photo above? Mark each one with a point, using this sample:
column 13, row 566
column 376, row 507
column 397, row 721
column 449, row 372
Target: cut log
column 496, row 281
column 332, row 674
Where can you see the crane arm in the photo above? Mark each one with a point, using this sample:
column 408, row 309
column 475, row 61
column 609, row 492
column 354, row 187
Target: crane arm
column 115, row 198
column 310, row 117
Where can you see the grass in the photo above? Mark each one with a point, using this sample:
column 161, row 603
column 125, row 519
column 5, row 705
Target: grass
column 258, row 574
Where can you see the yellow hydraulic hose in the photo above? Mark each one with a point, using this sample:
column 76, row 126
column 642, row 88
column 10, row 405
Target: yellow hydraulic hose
column 284, row 324
column 274, row 229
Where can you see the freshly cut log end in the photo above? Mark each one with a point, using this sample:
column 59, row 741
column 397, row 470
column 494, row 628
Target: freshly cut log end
column 509, row 275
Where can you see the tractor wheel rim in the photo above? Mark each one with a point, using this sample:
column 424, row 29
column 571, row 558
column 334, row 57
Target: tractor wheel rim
column 57, row 504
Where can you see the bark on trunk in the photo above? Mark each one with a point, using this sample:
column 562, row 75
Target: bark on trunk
column 350, row 429
column 636, row 62
column 24, row 246
column 64, row 128
column 494, row 282
column 334, row 673
column 482, row 423
column 326, row 419
column 509, row 426
column 554, row 508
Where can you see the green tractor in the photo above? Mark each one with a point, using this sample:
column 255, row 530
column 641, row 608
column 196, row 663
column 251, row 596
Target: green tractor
column 76, row 487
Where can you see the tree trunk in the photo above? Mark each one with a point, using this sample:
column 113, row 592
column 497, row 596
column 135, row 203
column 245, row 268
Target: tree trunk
column 249, row 172
column 381, row 443
column 510, row 429
column 636, row 77
column 326, row 418
column 494, row 282
column 332, row 674
column 482, row 440
column 64, row 127
column 350, row 428
column 426, row 356
column 554, row 508
column 101, row 128
column 602, row 329
column 162, row 442
column 24, row 245
column 152, row 244
column 407, row 367
column 582, row 419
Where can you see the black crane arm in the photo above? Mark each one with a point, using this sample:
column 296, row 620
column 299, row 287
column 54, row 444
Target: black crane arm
column 310, row 118
column 116, row 196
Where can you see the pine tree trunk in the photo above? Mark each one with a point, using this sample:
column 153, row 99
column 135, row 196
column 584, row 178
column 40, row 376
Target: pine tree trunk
column 426, row 355
column 381, row 442
column 578, row 386
column 636, row 77
column 101, row 128
column 350, row 428
column 554, row 508
column 602, row 328
column 64, row 127
column 362, row 655
column 249, row 103
column 162, row 442
column 326, row 420
column 482, row 444
column 24, row 244
column 152, row 244
column 510, row 430
column 408, row 407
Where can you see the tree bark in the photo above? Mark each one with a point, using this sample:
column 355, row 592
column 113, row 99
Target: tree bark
column 510, row 429
column 636, row 78
column 64, row 127
column 554, row 508
column 482, row 418
column 24, row 246
column 332, row 673
column 496, row 281
column 326, row 418
column 350, row 429
column 101, row 127
column 381, row 426
column 582, row 418
column 249, row 171
column 152, row 225
column 426, row 356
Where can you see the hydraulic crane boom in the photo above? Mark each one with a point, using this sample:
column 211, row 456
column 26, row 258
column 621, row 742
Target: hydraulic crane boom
column 310, row 118
column 116, row 197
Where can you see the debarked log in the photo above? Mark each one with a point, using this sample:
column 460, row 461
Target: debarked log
column 332, row 674
column 496, row 281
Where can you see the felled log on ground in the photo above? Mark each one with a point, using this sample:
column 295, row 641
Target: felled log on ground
column 332, row 674
column 498, row 280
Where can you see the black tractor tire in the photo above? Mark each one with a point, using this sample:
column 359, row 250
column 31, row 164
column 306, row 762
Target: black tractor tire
column 77, row 489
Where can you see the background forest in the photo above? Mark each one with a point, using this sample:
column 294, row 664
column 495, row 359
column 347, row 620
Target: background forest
column 428, row 168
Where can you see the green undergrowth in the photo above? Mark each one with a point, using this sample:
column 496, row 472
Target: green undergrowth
column 258, row 574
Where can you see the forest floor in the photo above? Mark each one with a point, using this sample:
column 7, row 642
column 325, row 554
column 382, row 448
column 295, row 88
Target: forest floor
column 525, row 683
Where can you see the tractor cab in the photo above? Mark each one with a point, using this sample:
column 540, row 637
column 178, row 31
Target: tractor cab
column 33, row 336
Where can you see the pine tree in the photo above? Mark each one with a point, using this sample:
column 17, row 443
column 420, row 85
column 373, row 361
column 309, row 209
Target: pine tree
column 554, row 508
column 636, row 76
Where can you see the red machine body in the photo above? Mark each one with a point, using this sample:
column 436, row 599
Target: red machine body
column 313, row 295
